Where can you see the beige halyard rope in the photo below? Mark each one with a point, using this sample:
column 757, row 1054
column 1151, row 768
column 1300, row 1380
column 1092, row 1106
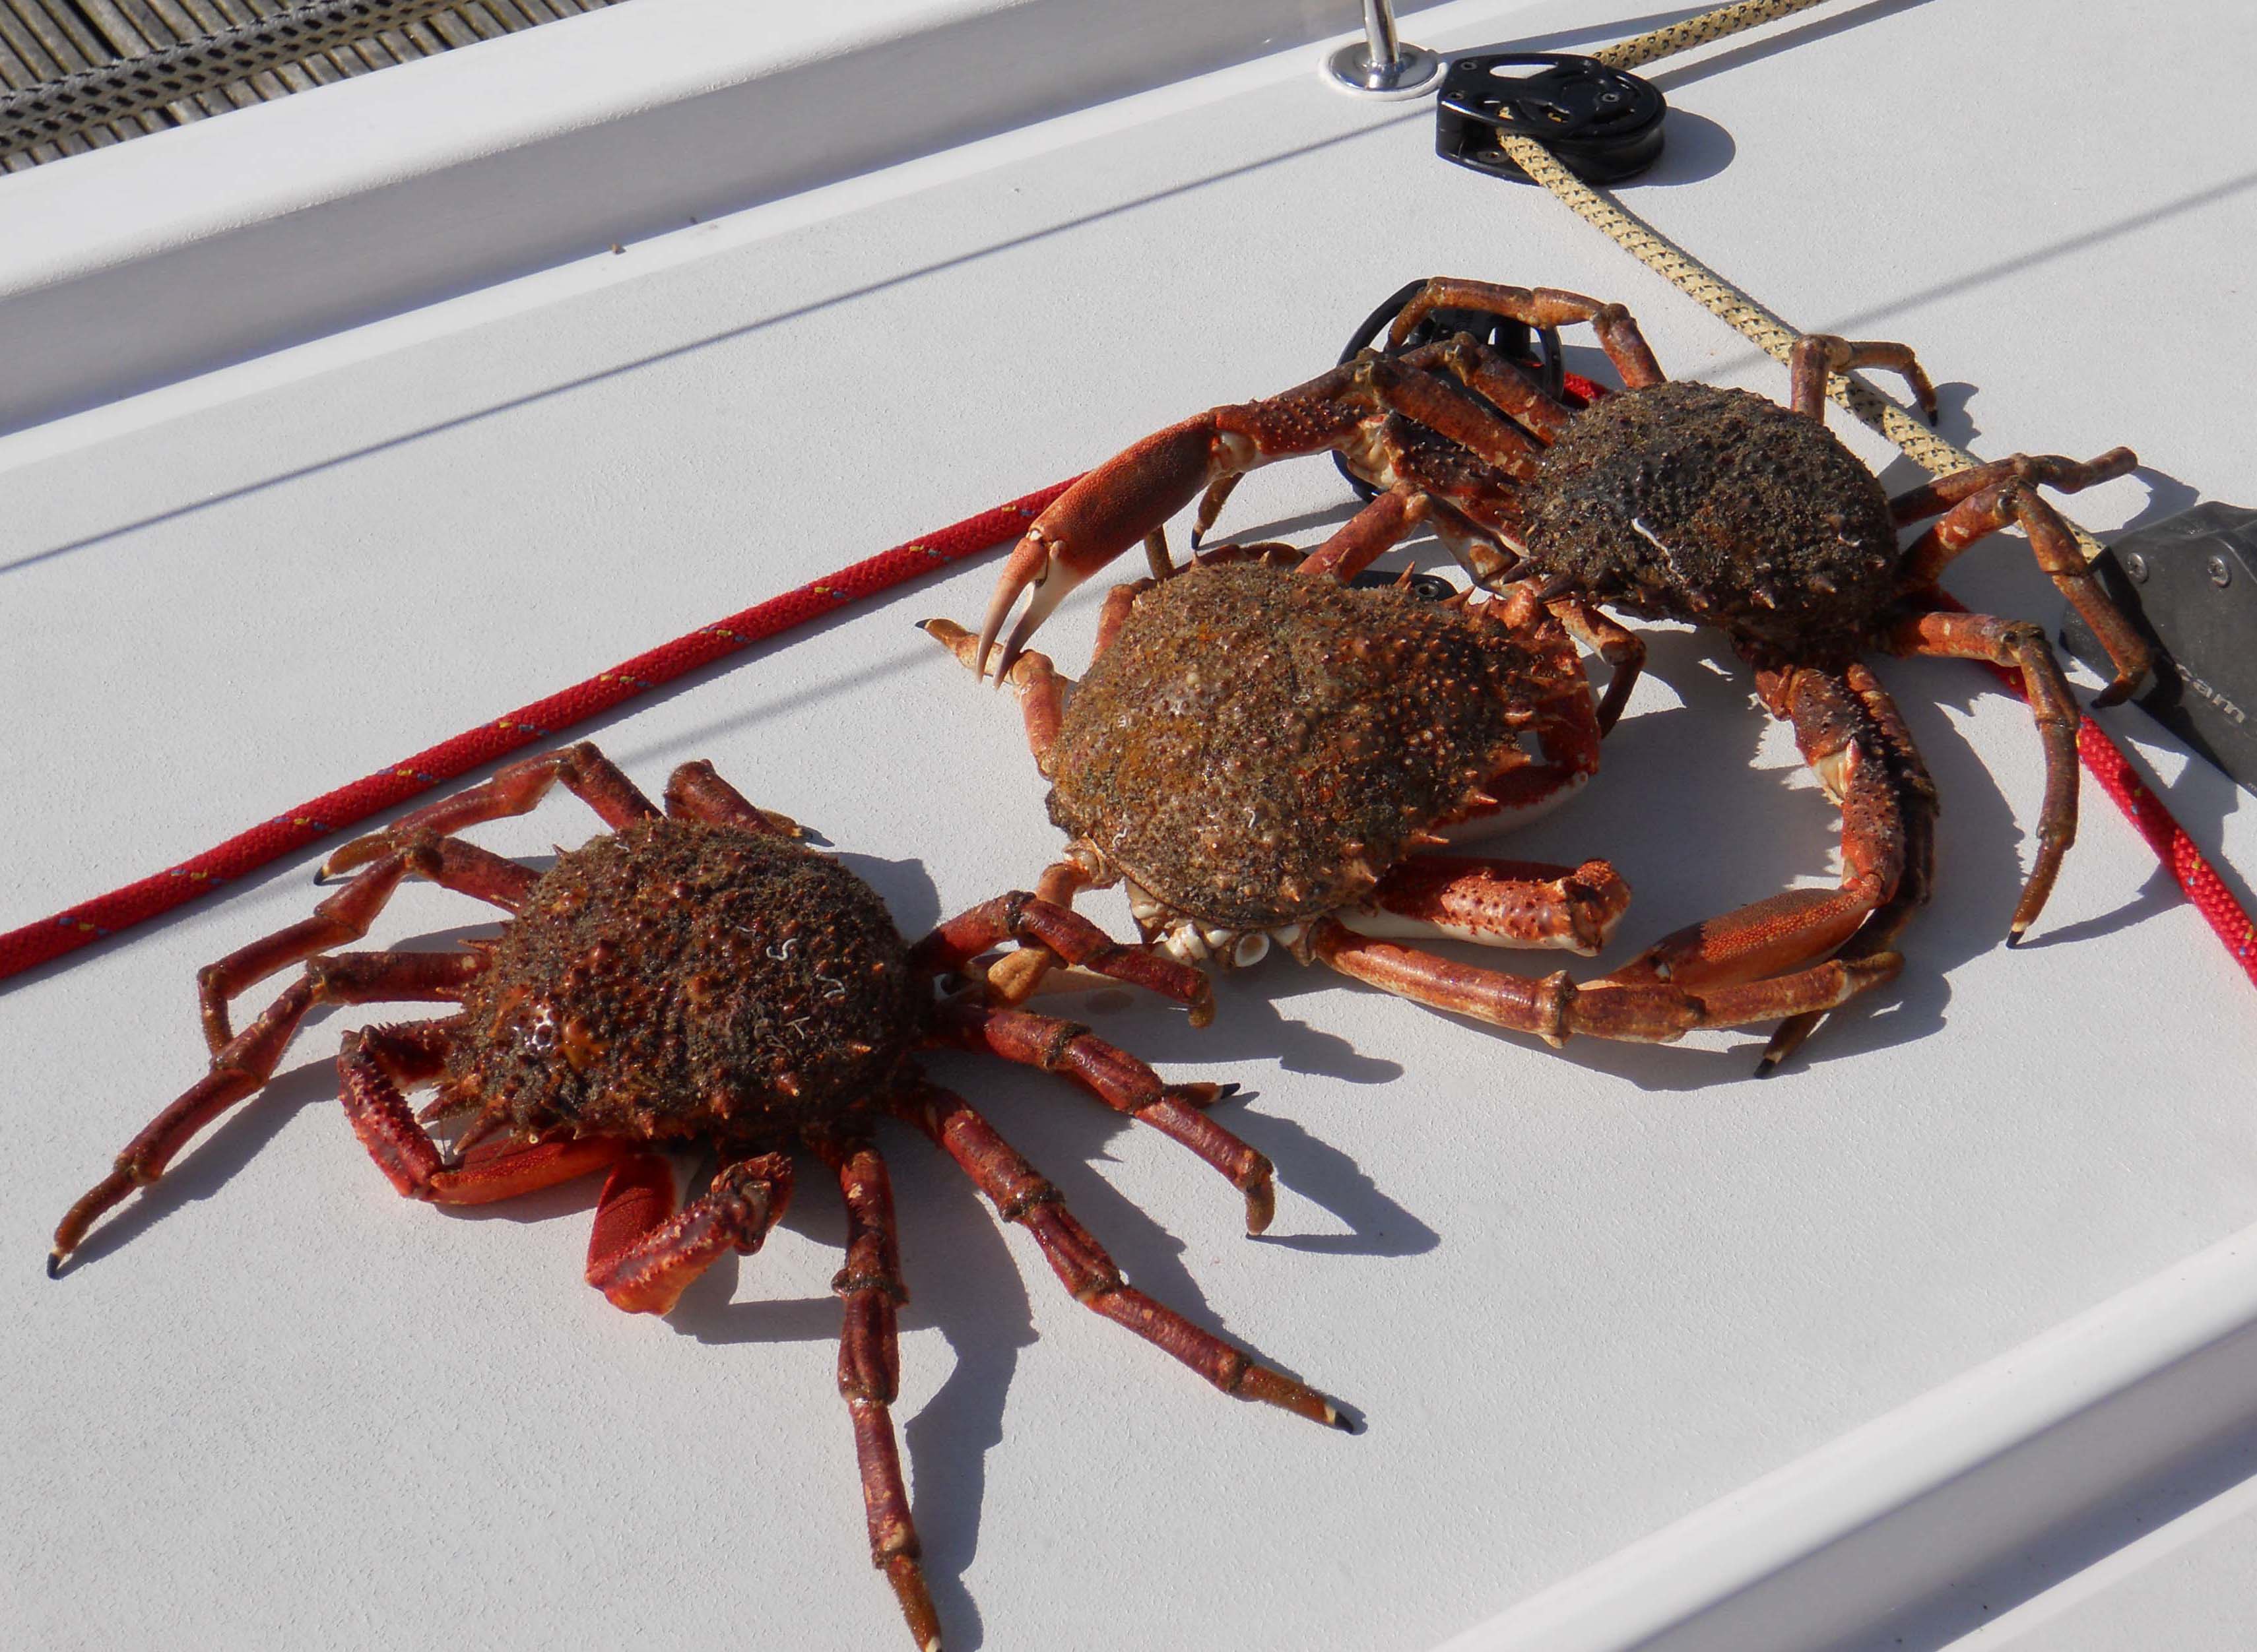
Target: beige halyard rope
column 1692, row 32
column 1727, row 302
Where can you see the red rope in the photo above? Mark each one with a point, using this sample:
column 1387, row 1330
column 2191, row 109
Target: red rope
column 2105, row 761
column 36, row 943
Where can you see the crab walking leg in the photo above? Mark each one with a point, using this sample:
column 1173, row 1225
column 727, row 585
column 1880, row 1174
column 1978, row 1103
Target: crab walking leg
column 1119, row 501
column 870, row 1289
column 1030, row 921
column 347, row 914
column 1916, row 805
column 1021, row 1195
column 2022, row 646
column 1554, row 1008
column 1502, row 903
column 1852, row 757
column 244, row 1065
column 1622, row 648
column 586, row 772
column 1542, row 307
column 1031, row 677
column 642, row 1254
column 1120, row 602
column 696, row 791
column 1816, row 356
column 2009, row 495
column 1126, row 1084
column 1503, row 383
column 1369, row 534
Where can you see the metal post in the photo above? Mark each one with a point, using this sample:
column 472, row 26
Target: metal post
column 1382, row 66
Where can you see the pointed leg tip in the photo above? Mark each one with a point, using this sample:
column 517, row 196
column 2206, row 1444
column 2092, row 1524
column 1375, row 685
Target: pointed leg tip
column 1224, row 1092
column 1261, row 1207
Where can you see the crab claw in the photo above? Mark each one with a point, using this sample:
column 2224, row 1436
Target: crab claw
column 1110, row 509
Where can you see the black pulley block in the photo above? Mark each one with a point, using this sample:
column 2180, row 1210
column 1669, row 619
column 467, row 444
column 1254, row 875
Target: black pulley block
column 2189, row 584
column 1604, row 125
column 1432, row 587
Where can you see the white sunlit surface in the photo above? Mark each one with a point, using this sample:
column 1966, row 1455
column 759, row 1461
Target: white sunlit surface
column 1576, row 1296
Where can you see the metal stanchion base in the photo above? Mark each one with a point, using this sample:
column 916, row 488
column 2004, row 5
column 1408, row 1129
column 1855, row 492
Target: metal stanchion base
column 1414, row 73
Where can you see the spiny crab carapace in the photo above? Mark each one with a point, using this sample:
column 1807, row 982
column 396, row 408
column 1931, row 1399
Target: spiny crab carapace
column 1671, row 500
column 700, row 978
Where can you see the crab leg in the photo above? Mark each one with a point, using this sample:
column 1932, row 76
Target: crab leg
column 1031, row 677
column 347, row 914
column 247, row 1060
column 1916, row 805
column 1554, row 1008
column 1030, row 921
column 1021, row 1195
column 696, row 791
column 1983, row 500
column 1126, row 1084
column 1850, row 735
column 587, row 773
column 1369, row 534
column 642, row 1255
column 1623, row 650
column 1815, row 356
column 870, row 1374
column 1122, row 499
column 1504, row 903
column 2019, row 646
column 1542, row 307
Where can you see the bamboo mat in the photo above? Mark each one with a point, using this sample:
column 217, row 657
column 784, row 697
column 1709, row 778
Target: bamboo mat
column 43, row 40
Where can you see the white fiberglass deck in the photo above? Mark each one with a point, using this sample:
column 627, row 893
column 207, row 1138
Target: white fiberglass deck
column 1578, row 1296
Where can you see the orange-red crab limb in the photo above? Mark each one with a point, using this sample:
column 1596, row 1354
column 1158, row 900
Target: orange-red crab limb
column 1376, row 411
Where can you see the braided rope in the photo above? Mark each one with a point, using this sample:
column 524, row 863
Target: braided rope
column 36, row 943
column 1758, row 325
column 1683, row 36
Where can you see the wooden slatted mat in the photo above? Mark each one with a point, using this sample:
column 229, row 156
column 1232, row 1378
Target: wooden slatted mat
column 45, row 41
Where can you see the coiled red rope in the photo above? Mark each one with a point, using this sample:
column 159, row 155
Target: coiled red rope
column 50, row 938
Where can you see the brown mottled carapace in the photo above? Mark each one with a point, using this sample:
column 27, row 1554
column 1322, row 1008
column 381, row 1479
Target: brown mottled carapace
column 680, row 980
column 1255, row 746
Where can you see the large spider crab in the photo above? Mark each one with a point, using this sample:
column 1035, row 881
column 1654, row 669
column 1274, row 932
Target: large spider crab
column 1677, row 500
column 699, row 977
column 1260, row 752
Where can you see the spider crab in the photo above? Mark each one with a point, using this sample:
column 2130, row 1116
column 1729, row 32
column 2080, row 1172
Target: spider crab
column 1675, row 500
column 699, row 977
column 1260, row 752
